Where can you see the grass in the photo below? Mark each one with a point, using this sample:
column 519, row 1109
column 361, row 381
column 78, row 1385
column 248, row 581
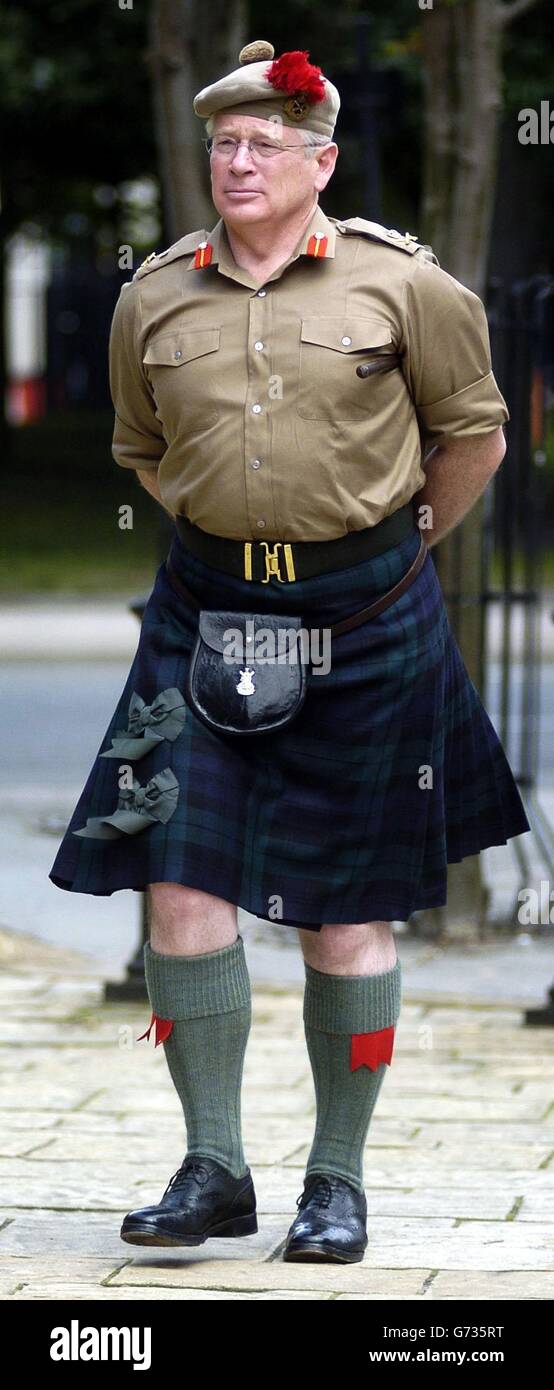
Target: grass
column 546, row 580
column 63, row 491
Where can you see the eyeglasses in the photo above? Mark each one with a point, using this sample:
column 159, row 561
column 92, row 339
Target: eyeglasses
column 226, row 148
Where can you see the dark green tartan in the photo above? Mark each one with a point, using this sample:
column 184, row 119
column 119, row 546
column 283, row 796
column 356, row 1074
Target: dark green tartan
column 328, row 821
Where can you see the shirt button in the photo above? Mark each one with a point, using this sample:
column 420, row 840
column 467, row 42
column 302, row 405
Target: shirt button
column 346, row 341
column 256, row 409
column 256, row 463
column 258, row 346
column 261, row 524
column 261, row 294
column 178, row 353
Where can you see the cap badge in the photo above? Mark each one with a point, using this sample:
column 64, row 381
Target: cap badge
column 296, row 107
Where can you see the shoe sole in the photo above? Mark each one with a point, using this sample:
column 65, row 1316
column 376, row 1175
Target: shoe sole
column 147, row 1234
column 331, row 1254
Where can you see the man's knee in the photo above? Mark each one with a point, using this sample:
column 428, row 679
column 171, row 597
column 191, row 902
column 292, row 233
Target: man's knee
column 343, row 945
column 189, row 918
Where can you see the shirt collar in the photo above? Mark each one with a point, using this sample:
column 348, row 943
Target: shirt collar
column 223, row 258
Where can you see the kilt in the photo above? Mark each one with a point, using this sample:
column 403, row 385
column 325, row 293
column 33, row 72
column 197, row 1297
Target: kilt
column 391, row 770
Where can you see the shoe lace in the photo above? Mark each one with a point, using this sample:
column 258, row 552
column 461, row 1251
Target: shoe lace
column 318, row 1190
column 199, row 1170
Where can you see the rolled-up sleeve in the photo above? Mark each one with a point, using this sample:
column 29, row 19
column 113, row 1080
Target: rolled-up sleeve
column 138, row 438
column 447, row 359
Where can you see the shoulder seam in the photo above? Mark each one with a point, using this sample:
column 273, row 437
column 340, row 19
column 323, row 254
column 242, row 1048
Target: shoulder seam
column 185, row 246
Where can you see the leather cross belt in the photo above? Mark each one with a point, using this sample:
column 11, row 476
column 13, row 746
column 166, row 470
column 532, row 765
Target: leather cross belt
column 355, row 619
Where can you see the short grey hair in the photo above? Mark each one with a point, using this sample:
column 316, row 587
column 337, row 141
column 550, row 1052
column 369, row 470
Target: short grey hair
column 311, row 139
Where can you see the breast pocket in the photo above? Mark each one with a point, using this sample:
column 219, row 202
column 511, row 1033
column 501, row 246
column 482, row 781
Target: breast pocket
column 183, row 369
column 330, row 351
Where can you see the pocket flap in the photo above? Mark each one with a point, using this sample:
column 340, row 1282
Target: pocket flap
column 346, row 334
column 219, row 629
column 173, row 349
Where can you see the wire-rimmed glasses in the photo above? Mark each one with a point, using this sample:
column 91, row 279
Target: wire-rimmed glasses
column 226, row 147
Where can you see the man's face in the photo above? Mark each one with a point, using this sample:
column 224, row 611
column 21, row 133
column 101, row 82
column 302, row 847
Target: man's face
column 246, row 189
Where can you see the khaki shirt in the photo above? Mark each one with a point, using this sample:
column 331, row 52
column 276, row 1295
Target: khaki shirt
column 246, row 398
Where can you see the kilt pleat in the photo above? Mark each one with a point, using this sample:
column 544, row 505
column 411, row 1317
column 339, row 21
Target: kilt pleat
column 391, row 770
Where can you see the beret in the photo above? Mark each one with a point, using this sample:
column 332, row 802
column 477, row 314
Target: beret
column 288, row 90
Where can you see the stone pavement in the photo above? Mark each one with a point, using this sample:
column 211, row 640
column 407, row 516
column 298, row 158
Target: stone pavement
column 459, row 1161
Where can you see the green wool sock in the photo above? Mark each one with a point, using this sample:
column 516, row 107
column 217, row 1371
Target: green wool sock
column 209, row 998
column 336, row 1007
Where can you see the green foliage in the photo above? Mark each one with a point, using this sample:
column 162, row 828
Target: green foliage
column 75, row 108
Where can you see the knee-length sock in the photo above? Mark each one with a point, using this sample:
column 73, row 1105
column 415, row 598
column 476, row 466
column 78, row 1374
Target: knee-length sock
column 208, row 999
column 347, row 1018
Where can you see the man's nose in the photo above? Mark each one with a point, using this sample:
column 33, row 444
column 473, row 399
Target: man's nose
column 242, row 156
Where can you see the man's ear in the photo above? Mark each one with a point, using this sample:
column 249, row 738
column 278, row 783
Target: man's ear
column 323, row 175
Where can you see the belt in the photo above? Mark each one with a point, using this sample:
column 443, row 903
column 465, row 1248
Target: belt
column 353, row 619
column 258, row 560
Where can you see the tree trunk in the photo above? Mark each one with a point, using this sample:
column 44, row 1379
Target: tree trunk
column 462, row 56
column 190, row 45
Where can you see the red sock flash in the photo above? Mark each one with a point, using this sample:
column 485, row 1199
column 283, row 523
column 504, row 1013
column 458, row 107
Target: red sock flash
column 163, row 1029
column 369, row 1049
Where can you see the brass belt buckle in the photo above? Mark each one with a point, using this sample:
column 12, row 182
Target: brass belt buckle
column 271, row 561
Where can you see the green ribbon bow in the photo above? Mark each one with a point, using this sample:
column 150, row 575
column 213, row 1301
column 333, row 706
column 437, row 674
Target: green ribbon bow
column 137, row 807
column 148, row 725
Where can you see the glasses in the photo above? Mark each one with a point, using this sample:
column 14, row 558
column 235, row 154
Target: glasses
column 226, row 148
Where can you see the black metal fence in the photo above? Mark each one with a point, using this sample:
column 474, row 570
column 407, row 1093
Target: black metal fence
column 519, row 530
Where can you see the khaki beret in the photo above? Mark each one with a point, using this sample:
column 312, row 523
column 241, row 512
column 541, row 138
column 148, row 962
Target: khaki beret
column 289, row 90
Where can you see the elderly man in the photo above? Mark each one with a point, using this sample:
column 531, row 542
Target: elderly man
column 285, row 385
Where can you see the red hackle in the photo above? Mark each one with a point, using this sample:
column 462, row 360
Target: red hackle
column 293, row 73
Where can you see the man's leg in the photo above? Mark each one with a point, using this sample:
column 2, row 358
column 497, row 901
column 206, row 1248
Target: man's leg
column 197, row 978
column 351, row 1007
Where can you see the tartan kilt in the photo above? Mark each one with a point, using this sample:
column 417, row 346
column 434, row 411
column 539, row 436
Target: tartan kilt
column 333, row 819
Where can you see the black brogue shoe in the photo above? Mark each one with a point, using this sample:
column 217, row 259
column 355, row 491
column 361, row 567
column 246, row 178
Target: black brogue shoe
column 202, row 1199
column 331, row 1222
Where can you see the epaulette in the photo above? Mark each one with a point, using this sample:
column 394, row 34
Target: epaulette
column 402, row 241
column 183, row 247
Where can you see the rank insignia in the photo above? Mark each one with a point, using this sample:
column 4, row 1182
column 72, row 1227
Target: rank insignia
column 317, row 245
column 203, row 255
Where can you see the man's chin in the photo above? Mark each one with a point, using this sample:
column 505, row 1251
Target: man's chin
column 248, row 206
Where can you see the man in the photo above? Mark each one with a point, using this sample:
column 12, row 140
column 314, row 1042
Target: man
column 281, row 379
